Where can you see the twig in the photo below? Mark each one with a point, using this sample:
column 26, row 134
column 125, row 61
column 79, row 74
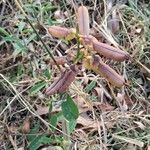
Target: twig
column 148, row 70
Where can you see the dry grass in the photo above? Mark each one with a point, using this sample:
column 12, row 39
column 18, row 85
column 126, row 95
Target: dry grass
column 114, row 118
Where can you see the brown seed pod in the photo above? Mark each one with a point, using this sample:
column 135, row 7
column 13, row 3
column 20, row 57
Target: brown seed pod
column 110, row 74
column 61, row 32
column 97, row 65
column 83, row 20
column 110, row 51
column 62, row 84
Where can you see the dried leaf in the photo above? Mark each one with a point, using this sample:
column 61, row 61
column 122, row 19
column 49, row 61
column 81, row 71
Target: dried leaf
column 94, row 63
column 113, row 25
column 26, row 126
column 122, row 103
column 131, row 147
column 110, row 51
column 42, row 110
column 52, row 148
column 113, row 22
column 59, row 15
column 82, row 104
column 103, row 106
column 140, row 124
column 101, row 92
column 129, row 140
column 87, row 122
column 62, row 32
column 83, row 20
column 62, row 84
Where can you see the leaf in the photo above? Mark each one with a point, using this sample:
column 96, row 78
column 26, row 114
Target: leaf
column 26, row 126
column 83, row 20
column 33, row 132
column 3, row 32
column 47, row 73
column 42, row 110
column 129, row 140
column 20, row 70
column 53, row 122
column 39, row 141
column 18, row 47
column 88, row 122
column 38, row 86
column 52, row 148
column 54, row 118
column 90, row 86
column 21, row 26
column 30, row 38
column 72, row 124
column 69, row 109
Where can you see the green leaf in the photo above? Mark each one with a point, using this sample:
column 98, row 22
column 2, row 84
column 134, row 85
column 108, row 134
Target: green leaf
column 72, row 125
column 50, row 106
column 32, row 37
column 70, row 109
column 9, row 38
column 53, row 122
column 54, row 119
column 21, row 26
column 47, row 74
column 38, row 86
column 39, row 141
column 20, row 70
column 33, row 132
column 3, row 32
column 90, row 86
column 36, row 140
column 19, row 47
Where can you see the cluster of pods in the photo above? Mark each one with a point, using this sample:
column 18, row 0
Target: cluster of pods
column 91, row 60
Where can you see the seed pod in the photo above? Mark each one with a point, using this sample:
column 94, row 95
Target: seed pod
column 110, row 51
column 62, row 84
column 83, row 20
column 97, row 65
column 61, row 32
